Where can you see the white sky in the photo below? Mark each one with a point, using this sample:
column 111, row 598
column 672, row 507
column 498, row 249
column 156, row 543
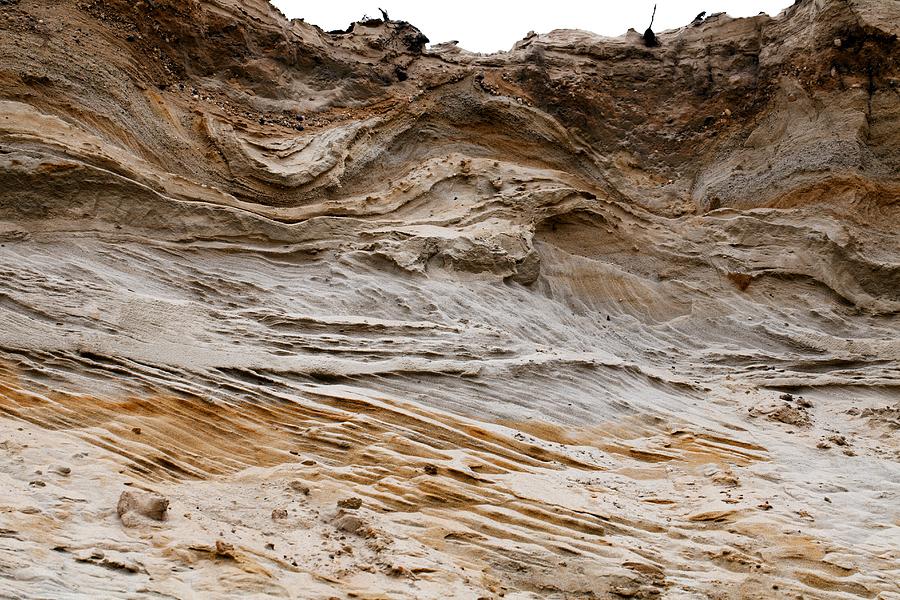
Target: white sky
column 485, row 26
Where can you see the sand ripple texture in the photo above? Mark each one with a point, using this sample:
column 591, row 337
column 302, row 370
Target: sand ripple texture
column 583, row 319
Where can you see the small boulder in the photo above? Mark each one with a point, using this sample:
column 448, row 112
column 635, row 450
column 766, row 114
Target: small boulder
column 299, row 486
column 134, row 503
column 791, row 416
column 348, row 523
column 350, row 503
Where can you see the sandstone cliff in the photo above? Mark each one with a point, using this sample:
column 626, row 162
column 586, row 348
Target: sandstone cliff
column 377, row 319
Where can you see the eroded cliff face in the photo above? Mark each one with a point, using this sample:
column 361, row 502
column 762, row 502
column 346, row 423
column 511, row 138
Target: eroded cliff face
column 582, row 319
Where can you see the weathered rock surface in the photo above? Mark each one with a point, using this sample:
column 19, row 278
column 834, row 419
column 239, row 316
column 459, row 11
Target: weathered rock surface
column 534, row 310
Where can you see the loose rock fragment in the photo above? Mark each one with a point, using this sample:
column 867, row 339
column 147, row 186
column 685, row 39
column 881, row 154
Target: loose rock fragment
column 135, row 503
column 790, row 415
column 350, row 503
column 348, row 523
column 299, row 486
column 225, row 550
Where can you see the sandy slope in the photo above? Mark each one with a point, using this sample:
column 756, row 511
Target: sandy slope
column 582, row 319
